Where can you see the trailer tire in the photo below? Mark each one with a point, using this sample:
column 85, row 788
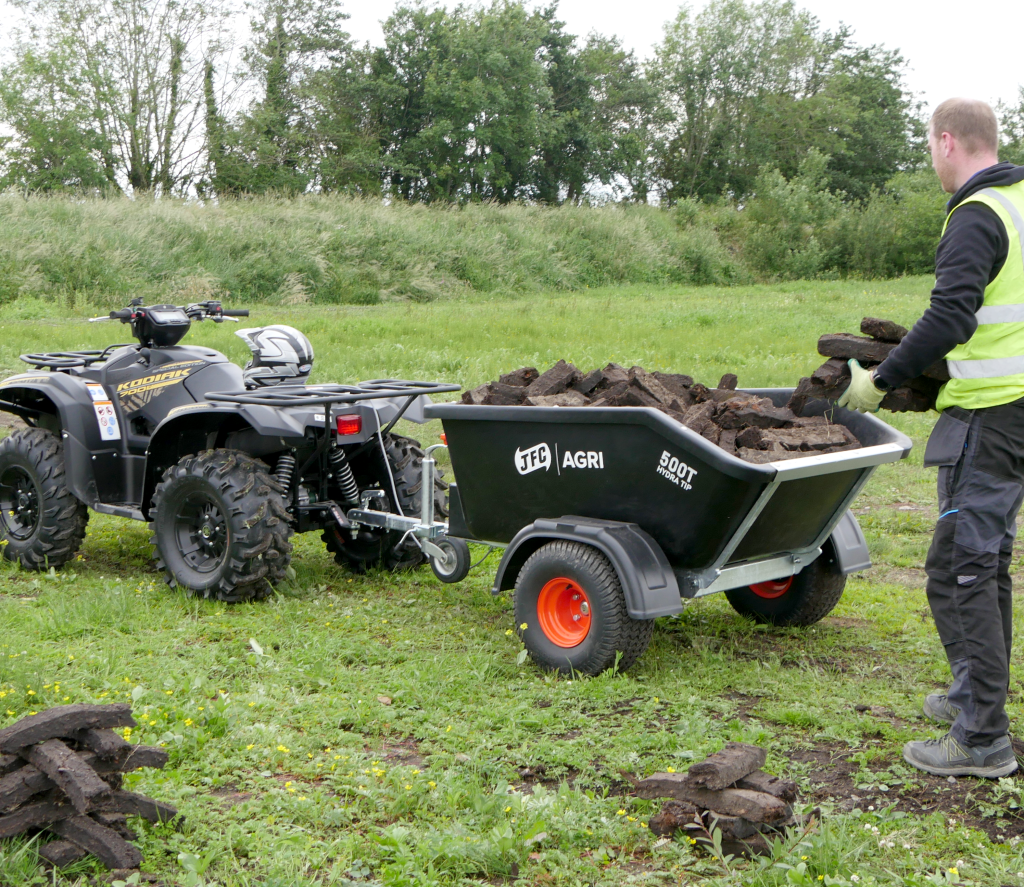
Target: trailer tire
column 803, row 599
column 42, row 523
column 238, row 507
column 571, row 613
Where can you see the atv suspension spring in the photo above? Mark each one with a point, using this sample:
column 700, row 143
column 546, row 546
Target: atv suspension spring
column 284, row 471
column 343, row 475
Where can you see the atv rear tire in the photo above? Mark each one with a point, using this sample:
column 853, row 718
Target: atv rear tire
column 571, row 613
column 41, row 521
column 373, row 548
column 800, row 600
column 220, row 526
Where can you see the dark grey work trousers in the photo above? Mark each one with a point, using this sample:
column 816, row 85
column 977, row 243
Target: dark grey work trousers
column 980, row 457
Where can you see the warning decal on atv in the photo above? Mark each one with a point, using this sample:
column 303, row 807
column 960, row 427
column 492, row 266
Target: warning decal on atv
column 106, row 418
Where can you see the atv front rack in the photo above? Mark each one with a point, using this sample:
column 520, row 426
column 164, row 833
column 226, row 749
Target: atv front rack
column 66, row 360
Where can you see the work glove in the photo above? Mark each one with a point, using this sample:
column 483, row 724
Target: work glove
column 862, row 395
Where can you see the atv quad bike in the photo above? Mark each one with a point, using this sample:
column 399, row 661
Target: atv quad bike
column 225, row 464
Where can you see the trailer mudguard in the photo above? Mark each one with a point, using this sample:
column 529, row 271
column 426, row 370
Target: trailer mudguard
column 849, row 545
column 648, row 582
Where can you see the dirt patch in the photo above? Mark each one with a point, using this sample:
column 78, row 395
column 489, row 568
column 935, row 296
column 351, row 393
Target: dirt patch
column 400, row 753
column 230, row 795
column 834, row 774
column 538, row 774
column 845, row 622
column 906, row 576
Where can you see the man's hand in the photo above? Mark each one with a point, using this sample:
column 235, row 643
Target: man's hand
column 862, row 395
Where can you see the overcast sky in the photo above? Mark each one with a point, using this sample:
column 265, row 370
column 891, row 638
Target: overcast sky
column 972, row 51
column 949, row 52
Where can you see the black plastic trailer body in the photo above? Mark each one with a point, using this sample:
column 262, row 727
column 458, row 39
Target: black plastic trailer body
column 536, row 473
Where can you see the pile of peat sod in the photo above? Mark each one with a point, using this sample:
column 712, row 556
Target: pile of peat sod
column 831, row 379
column 60, row 772
column 743, row 425
column 727, row 792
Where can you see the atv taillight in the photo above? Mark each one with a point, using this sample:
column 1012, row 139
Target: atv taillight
column 350, row 424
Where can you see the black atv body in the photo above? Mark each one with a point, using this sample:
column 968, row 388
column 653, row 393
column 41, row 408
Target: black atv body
column 137, row 430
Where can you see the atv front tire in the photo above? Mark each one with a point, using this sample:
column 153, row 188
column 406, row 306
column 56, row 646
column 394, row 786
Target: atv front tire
column 374, row 548
column 41, row 521
column 220, row 526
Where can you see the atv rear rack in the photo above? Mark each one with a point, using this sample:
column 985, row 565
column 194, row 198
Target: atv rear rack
column 311, row 395
column 424, row 529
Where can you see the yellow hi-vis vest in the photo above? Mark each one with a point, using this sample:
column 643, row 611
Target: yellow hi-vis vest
column 988, row 369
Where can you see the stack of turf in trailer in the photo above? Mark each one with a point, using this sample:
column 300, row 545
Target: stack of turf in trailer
column 831, row 379
column 60, row 772
column 742, row 424
column 729, row 792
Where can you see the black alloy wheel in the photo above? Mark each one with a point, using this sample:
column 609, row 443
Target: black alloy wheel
column 201, row 532
column 19, row 502
column 220, row 526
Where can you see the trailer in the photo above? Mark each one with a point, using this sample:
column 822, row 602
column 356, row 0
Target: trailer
column 612, row 517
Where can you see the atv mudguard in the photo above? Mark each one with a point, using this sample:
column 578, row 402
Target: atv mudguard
column 258, row 430
column 61, row 403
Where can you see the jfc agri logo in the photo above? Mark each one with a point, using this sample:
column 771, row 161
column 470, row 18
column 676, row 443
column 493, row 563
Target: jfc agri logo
column 534, row 458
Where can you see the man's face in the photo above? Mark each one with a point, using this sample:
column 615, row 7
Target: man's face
column 939, row 146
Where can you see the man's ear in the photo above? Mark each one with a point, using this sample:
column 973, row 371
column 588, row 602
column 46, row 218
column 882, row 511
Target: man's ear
column 948, row 143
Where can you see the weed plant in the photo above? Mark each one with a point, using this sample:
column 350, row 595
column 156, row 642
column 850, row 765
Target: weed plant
column 383, row 730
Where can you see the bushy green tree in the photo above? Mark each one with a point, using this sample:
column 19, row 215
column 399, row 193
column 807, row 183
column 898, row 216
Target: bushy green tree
column 500, row 103
column 54, row 146
column 750, row 85
column 1011, row 118
column 303, row 128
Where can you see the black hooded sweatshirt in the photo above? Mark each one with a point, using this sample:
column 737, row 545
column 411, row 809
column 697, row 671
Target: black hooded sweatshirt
column 969, row 256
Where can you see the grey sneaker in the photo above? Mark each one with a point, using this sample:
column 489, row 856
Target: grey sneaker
column 938, row 707
column 949, row 757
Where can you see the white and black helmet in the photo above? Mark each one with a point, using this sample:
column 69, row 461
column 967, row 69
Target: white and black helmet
column 278, row 351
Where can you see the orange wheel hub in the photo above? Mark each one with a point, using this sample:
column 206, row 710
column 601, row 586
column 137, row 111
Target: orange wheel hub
column 773, row 588
column 563, row 610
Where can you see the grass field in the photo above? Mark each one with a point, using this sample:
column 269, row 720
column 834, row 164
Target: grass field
column 360, row 730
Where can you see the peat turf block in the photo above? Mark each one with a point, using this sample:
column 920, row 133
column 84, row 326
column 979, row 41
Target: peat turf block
column 64, row 777
column 720, row 415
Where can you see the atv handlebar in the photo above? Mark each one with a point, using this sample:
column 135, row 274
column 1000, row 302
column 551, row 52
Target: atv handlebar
column 210, row 310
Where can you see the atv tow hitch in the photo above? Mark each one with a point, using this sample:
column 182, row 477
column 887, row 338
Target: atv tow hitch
column 423, row 529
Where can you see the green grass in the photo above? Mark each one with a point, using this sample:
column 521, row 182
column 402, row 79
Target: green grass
column 381, row 729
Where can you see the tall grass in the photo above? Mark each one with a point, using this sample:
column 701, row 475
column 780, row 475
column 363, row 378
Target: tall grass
column 336, row 250
column 341, row 250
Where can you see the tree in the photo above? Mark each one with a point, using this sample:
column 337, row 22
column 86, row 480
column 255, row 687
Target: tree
column 500, row 103
column 126, row 75
column 749, row 85
column 303, row 129
column 1011, row 118
column 461, row 101
column 601, row 103
column 54, row 147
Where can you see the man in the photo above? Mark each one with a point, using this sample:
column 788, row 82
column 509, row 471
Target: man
column 975, row 321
